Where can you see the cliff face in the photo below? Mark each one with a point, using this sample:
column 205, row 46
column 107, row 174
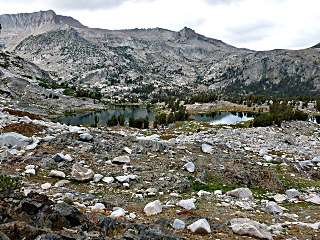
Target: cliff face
column 33, row 21
column 182, row 61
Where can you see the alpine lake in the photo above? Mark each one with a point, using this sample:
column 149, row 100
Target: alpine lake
column 214, row 118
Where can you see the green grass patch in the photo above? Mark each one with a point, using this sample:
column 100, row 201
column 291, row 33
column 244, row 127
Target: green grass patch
column 297, row 182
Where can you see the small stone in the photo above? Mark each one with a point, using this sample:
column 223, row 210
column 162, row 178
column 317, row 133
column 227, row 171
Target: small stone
column 289, row 141
column 316, row 160
column 118, row 213
column 67, row 157
column 178, row 224
column 153, row 208
column 61, row 183
column 187, row 204
column 121, row 160
column 263, row 152
column 313, row 199
column 29, row 167
column 58, row 157
column 190, row 167
column 85, row 137
column 206, row 148
column 279, row 198
column 203, row 193
column 32, row 146
column 99, row 205
column 200, row 226
column 128, row 150
column 108, row 179
column 268, row 158
column 56, row 173
column 80, row 173
column 274, row 208
column 217, row 192
column 46, row 186
column 69, row 195
column 241, row 193
column 122, row 179
column 97, row 177
column 30, row 171
column 292, row 193
column 48, row 138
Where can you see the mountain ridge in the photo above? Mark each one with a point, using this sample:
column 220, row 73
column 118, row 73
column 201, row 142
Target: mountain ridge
column 118, row 62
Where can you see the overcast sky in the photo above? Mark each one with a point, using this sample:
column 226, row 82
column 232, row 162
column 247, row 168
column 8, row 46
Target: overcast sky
column 253, row 24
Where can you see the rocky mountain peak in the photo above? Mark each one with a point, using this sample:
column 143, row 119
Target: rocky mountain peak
column 187, row 33
column 35, row 20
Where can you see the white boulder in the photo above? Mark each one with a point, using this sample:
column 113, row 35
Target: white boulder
column 153, row 208
column 200, row 226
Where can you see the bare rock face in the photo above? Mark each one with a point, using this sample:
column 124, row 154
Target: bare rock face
column 81, row 174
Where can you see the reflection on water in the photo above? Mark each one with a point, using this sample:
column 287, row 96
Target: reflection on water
column 213, row 118
column 87, row 118
column 224, row 117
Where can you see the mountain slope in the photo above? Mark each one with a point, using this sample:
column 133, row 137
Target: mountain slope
column 123, row 62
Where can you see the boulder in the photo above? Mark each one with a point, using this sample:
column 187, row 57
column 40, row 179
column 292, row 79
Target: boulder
column 201, row 226
column 12, row 139
column 206, row 148
column 61, row 183
column 58, row 157
column 204, row 193
column 316, row 160
column 117, row 213
column 86, row 137
column 241, row 193
column 274, row 208
column 127, row 150
column 313, row 199
column 121, row 160
column 263, row 152
column 190, row 167
column 245, row 226
column 292, row 193
column 80, row 173
column 46, row 186
column 279, row 198
column 187, row 204
column 31, row 171
column 56, row 173
column 123, row 179
column 153, row 208
column 97, row 177
column 178, row 224
column 108, row 179
column 289, row 141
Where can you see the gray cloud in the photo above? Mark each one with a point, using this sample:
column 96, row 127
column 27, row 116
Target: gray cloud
column 249, row 32
column 219, row 2
column 89, row 5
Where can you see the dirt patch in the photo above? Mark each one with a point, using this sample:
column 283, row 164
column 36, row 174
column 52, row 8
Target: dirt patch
column 26, row 129
column 22, row 114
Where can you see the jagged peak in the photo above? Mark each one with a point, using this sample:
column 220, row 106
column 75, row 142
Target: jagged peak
column 187, row 33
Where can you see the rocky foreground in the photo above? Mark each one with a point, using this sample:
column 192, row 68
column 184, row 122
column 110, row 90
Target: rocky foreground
column 103, row 183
